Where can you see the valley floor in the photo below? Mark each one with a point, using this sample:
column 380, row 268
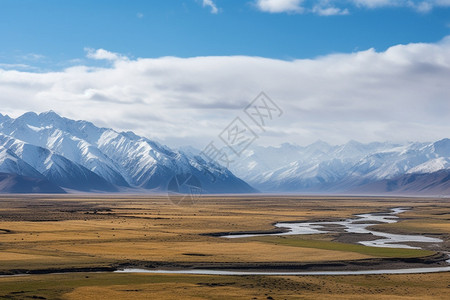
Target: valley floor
column 47, row 234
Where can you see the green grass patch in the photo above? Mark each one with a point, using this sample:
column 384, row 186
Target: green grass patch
column 417, row 226
column 336, row 246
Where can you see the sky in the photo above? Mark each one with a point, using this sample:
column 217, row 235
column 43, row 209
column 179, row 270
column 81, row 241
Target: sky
column 181, row 71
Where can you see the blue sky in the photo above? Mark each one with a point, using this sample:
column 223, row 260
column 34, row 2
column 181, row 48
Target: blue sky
column 52, row 33
column 180, row 71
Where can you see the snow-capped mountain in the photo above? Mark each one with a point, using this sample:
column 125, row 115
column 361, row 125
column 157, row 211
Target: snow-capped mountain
column 55, row 168
column 49, row 150
column 80, row 156
column 11, row 164
column 321, row 167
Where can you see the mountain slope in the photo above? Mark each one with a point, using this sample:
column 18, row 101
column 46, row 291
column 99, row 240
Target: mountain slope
column 64, row 137
column 13, row 183
column 435, row 183
column 56, row 168
column 81, row 156
column 321, row 167
column 10, row 163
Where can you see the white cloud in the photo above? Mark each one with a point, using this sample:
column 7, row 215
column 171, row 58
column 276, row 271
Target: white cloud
column 32, row 57
column 419, row 5
column 329, row 11
column 339, row 7
column 400, row 94
column 101, row 54
column 211, row 5
column 279, row 6
column 16, row 66
column 377, row 3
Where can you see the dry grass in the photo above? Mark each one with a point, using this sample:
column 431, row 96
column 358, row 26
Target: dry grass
column 63, row 232
column 150, row 286
column 67, row 232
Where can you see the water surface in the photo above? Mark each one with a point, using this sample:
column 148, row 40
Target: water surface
column 358, row 224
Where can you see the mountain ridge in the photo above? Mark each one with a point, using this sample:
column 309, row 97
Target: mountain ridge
column 321, row 167
column 78, row 155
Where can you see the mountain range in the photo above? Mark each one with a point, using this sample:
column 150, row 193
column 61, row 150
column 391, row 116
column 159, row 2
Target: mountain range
column 375, row 168
column 48, row 153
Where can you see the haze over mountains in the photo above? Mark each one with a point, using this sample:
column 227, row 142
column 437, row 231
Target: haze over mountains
column 77, row 155
column 50, row 154
column 375, row 168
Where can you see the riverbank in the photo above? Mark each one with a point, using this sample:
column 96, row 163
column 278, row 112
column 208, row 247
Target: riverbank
column 437, row 261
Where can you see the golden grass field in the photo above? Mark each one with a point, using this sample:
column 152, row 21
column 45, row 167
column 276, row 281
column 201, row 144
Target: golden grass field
column 65, row 232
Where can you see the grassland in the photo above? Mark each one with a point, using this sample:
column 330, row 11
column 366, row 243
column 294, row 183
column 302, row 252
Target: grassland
column 150, row 286
column 54, row 233
column 303, row 242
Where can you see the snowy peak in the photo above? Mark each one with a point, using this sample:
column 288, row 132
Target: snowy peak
column 321, row 167
column 80, row 156
column 77, row 155
column 55, row 168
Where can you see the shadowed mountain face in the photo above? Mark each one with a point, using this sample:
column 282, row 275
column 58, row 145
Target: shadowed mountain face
column 352, row 167
column 436, row 183
column 13, row 183
column 77, row 155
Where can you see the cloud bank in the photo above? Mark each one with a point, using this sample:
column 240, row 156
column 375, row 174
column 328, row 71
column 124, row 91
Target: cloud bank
column 401, row 94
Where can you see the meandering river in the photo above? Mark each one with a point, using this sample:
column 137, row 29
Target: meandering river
column 358, row 224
